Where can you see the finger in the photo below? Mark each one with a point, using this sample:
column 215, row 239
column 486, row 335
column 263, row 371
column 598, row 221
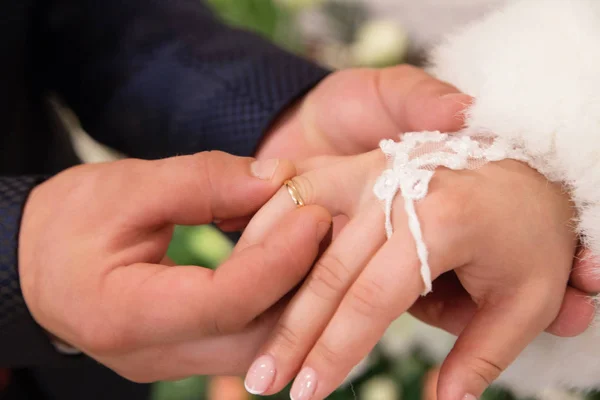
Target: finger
column 496, row 335
column 221, row 355
column 316, row 301
column 575, row 316
column 197, row 189
column 450, row 307
column 289, row 252
column 586, row 272
column 327, row 187
column 416, row 101
column 153, row 303
column 377, row 104
column 430, row 385
column 233, row 225
column 386, row 287
column 167, row 261
column 304, row 166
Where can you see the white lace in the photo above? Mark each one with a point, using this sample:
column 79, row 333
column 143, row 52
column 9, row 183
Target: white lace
column 412, row 163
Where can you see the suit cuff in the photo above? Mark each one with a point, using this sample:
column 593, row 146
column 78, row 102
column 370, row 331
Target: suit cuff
column 22, row 341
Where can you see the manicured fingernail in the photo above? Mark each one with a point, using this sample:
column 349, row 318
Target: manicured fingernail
column 469, row 397
column 322, row 230
column 305, row 385
column 260, row 375
column 264, row 169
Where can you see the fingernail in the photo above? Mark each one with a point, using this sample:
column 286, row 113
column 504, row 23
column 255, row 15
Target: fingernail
column 460, row 98
column 322, row 230
column 260, row 375
column 469, row 397
column 588, row 257
column 264, row 169
column 305, row 385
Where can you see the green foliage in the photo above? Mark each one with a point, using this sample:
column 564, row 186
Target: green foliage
column 187, row 389
column 199, row 245
column 263, row 17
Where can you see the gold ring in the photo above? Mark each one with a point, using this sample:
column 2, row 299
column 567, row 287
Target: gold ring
column 294, row 192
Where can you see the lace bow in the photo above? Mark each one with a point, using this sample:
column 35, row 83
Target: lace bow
column 412, row 164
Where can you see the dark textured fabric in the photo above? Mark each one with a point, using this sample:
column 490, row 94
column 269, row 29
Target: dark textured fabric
column 151, row 78
column 22, row 342
column 13, row 193
column 157, row 78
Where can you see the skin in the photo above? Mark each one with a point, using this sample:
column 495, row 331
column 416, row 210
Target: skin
column 371, row 104
column 134, row 312
column 93, row 238
column 363, row 282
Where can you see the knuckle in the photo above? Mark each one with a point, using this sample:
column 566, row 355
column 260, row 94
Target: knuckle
column 448, row 208
column 328, row 356
column 329, row 277
column 485, row 369
column 227, row 325
column 206, row 163
column 285, row 339
column 366, row 298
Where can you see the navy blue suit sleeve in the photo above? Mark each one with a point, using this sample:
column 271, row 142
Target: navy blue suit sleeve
column 22, row 341
column 156, row 78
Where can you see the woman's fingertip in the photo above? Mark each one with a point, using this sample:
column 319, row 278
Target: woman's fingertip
column 261, row 375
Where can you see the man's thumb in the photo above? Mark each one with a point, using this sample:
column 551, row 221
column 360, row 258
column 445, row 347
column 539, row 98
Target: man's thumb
column 209, row 186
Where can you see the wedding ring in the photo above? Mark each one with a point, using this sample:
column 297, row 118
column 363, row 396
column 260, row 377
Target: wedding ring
column 294, row 192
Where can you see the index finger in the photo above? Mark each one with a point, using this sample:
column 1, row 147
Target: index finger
column 150, row 304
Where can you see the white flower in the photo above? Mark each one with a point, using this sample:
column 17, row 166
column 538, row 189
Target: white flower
column 380, row 388
column 380, row 43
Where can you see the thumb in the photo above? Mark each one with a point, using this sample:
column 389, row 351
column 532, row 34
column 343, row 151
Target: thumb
column 417, row 101
column 208, row 186
column 495, row 336
column 585, row 275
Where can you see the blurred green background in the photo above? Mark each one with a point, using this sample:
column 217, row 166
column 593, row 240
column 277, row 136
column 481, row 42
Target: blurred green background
column 353, row 40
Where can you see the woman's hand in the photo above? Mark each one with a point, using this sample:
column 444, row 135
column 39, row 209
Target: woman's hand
column 503, row 231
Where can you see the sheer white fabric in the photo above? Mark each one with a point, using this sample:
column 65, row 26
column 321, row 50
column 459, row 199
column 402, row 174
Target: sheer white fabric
column 412, row 164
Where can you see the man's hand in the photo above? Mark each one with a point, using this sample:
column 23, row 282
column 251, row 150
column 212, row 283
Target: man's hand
column 352, row 110
column 94, row 273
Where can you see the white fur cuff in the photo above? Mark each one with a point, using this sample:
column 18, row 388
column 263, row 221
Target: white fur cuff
column 534, row 70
